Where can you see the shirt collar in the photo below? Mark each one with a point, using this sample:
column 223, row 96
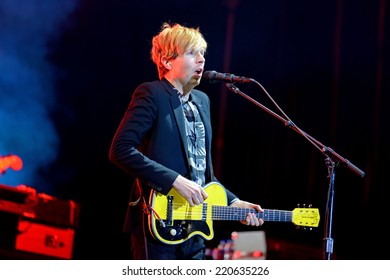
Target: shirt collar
column 184, row 98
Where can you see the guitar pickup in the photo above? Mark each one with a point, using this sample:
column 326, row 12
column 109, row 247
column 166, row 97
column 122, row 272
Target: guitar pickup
column 169, row 210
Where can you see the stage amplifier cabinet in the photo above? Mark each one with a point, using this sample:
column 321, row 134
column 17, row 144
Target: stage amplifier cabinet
column 34, row 225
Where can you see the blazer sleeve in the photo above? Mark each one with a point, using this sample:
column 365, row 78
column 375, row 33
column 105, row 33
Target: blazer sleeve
column 137, row 123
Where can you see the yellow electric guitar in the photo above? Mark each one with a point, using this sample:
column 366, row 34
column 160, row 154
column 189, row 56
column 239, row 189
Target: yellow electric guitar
column 172, row 220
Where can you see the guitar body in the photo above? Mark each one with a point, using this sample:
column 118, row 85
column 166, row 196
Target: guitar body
column 173, row 220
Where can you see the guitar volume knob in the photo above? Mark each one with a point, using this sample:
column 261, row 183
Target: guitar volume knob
column 172, row 232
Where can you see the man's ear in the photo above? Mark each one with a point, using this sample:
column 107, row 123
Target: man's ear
column 167, row 64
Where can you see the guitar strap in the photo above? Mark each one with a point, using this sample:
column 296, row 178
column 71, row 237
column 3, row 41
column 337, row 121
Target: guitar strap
column 139, row 193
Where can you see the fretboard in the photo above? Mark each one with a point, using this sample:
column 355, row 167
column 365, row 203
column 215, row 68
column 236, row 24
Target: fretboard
column 227, row 213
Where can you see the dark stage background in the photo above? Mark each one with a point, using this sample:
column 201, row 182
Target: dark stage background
column 68, row 69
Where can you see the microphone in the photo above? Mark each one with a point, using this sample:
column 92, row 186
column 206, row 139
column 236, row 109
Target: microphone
column 214, row 76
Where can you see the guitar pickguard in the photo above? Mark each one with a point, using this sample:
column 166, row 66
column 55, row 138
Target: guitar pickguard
column 180, row 230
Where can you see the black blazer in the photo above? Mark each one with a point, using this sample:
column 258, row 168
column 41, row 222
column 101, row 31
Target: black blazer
column 151, row 143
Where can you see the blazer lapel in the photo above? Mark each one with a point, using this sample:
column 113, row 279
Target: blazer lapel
column 178, row 113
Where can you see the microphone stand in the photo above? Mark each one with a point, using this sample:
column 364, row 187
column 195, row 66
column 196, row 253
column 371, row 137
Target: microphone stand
column 332, row 160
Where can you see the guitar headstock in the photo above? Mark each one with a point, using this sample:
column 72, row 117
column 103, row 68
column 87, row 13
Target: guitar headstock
column 306, row 217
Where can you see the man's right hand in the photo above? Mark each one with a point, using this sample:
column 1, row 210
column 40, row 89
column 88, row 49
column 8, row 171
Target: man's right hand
column 190, row 190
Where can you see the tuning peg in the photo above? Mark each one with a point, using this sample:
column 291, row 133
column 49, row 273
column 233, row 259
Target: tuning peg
column 307, row 228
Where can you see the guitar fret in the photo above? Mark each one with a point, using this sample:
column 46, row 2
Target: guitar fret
column 277, row 215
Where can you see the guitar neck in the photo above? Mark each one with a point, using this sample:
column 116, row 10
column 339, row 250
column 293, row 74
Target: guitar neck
column 227, row 213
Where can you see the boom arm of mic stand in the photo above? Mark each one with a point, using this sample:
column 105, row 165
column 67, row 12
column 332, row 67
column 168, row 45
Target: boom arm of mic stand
column 328, row 152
